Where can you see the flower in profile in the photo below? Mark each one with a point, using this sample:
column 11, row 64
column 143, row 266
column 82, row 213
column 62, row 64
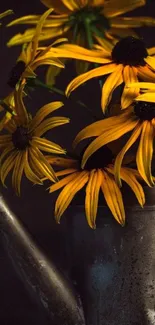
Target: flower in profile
column 129, row 61
column 82, row 20
column 22, row 145
column 32, row 56
column 140, row 119
column 97, row 175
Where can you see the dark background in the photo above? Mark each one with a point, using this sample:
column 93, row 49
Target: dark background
column 35, row 206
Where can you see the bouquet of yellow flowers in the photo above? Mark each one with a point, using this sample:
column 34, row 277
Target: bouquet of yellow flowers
column 103, row 43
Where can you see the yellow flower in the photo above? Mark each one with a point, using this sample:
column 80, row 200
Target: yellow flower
column 140, row 119
column 32, row 56
column 21, row 146
column 78, row 18
column 97, row 175
column 129, row 61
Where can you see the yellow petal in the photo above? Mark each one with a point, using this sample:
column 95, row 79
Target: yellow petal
column 132, row 22
column 146, row 74
column 112, row 82
column 6, row 13
column 97, row 128
column 113, row 197
column 115, row 8
column 142, row 85
column 150, row 61
column 66, row 171
column 145, row 153
column 29, row 172
column 92, row 196
column 49, row 124
column 18, row 171
column 43, row 112
column 117, row 167
column 71, row 4
column 7, row 166
column 128, row 96
column 52, row 73
column 38, row 31
column 63, row 182
column 97, row 72
column 67, row 194
column 128, row 176
column 62, row 162
column 108, row 136
column 147, row 97
column 46, row 145
column 42, row 164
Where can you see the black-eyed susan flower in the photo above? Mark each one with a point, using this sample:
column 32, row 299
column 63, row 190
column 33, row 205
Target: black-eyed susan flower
column 22, row 145
column 140, row 119
column 98, row 175
column 81, row 20
column 32, row 56
column 129, row 61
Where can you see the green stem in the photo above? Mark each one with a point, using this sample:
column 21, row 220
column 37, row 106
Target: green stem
column 88, row 34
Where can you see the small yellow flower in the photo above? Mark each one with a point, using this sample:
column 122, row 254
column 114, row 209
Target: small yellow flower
column 128, row 62
column 32, row 56
column 21, row 146
column 97, row 175
column 78, row 18
column 140, row 119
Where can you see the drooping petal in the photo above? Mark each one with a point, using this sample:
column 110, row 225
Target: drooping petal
column 113, row 197
column 97, row 128
column 49, row 124
column 47, row 145
column 117, row 167
column 30, row 174
column 7, row 166
column 42, row 164
column 68, row 193
column 92, row 196
column 20, row 108
column 61, row 183
column 146, row 74
column 145, row 153
column 128, row 175
column 43, row 112
column 97, row 72
column 113, row 81
column 128, row 96
column 108, row 136
column 66, row 171
column 150, row 60
column 39, row 27
column 115, row 8
column 18, row 170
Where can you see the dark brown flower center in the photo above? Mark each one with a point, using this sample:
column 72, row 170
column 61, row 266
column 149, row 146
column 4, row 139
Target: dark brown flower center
column 16, row 73
column 100, row 159
column 21, row 138
column 129, row 51
column 145, row 110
